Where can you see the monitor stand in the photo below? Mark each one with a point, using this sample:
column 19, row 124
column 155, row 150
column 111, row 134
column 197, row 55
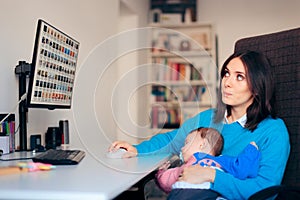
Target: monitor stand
column 23, row 70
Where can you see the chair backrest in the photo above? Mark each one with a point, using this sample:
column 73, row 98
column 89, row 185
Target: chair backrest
column 283, row 51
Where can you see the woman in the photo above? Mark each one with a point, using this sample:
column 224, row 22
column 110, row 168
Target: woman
column 244, row 113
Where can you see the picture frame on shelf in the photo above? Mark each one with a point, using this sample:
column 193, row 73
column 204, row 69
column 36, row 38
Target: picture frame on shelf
column 203, row 39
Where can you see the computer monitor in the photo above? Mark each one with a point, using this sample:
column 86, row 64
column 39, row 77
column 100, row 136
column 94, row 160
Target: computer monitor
column 51, row 74
column 53, row 67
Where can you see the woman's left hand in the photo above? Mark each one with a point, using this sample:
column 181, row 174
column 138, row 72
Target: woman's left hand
column 196, row 174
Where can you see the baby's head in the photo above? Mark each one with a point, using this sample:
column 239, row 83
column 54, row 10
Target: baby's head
column 205, row 140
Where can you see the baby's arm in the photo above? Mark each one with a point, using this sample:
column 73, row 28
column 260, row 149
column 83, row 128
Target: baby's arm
column 245, row 165
column 167, row 177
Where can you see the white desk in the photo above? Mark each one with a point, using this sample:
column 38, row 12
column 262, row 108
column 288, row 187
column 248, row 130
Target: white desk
column 93, row 178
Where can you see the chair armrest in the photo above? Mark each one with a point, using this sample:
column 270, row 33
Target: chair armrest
column 282, row 192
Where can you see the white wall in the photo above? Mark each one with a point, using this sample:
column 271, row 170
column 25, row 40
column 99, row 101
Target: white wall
column 133, row 14
column 87, row 21
column 235, row 19
column 128, row 20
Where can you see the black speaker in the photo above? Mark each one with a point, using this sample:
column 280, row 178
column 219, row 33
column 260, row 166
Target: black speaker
column 53, row 138
column 35, row 142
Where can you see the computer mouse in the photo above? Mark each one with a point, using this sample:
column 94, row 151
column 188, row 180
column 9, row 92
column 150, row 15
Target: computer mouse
column 118, row 153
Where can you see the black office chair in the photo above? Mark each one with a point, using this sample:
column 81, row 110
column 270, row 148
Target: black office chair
column 283, row 51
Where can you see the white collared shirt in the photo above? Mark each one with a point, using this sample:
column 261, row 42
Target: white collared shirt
column 242, row 121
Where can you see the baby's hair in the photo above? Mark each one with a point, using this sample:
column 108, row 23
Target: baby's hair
column 214, row 138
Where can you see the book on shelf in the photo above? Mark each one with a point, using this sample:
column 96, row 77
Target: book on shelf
column 195, row 74
column 163, row 117
column 168, row 70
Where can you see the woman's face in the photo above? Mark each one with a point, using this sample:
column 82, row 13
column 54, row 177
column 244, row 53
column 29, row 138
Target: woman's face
column 234, row 86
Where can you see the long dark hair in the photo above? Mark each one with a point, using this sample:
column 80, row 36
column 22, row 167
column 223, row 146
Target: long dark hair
column 261, row 84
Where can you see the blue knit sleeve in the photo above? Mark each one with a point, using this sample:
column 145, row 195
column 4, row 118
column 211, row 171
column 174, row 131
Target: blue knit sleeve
column 159, row 143
column 245, row 165
column 171, row 142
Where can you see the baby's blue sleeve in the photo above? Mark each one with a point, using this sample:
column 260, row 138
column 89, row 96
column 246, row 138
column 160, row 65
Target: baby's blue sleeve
column 245, row 165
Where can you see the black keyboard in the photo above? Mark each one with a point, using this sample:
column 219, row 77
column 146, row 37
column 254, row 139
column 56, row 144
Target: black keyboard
column 60, row 157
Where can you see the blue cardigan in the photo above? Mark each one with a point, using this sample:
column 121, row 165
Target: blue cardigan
column 271, row 136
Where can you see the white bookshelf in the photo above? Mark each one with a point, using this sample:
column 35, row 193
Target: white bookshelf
column 183, row 74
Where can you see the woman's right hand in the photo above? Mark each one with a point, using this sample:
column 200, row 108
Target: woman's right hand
column 131, row 150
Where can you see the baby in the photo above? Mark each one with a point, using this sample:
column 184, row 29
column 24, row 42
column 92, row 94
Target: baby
column 203, row 147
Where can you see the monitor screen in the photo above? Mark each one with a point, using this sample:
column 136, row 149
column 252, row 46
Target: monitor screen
column 53, row 68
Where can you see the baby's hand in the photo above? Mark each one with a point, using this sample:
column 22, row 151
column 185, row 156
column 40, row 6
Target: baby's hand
column 254, row 144
column 165, row 166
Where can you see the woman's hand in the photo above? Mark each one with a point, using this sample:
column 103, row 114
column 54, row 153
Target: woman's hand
column 131, row 150
column 196, row 174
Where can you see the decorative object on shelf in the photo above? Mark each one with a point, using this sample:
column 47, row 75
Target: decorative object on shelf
column 155, row 15
column 185, row 45
column 202, row 39
column 188, row 16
